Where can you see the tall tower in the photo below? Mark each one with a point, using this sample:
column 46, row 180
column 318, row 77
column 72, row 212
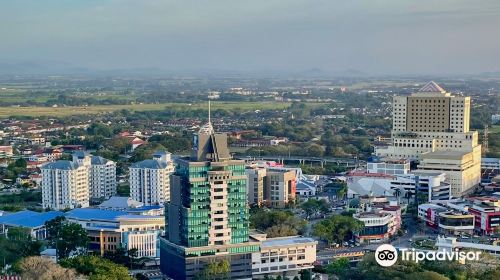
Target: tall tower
column 207, row 217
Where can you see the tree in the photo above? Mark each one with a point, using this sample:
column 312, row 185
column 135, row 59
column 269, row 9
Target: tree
column 16, row 168
column 215, row 270
column 337, row 228
column 38, row 268
column 128, row 258
column 18, row 244
column 52, row 227
column 315, row 150
column 277, row 223
column 119, row 145
column 312, row 206
column 73, row 238
column 397, row 193
column 305, row 275
column 408, row 196
column 97, row 268
column 146, row 151
column 342, row 191
column 99, row 129
column 338, row 267
column 67, row 238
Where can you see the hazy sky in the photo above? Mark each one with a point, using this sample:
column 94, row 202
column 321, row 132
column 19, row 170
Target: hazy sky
column 373, row 36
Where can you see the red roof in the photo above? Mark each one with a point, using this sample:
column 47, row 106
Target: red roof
column 138, row 141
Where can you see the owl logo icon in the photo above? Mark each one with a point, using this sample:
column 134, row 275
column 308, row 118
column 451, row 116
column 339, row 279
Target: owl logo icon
column 386, row 255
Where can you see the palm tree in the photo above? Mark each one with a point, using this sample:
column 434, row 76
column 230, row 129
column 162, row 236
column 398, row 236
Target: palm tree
column 408, row 196
column 397, row 193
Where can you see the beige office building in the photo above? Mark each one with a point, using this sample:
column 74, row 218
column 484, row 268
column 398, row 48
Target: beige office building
column 462, row 169
column 431, row 126
column 255, row 185
column 273, row 187
column 280, row 187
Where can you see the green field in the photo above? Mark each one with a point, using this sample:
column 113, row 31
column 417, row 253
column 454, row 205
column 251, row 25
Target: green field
column 100, row 109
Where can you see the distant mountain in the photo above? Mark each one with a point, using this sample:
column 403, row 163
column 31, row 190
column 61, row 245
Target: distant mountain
column 39, row 68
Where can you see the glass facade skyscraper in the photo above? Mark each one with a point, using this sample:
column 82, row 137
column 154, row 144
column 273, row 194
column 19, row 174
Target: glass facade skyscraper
column 207, row 218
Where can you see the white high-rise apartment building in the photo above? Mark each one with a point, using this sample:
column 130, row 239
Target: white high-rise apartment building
column 150, row 179
column 432, row 126
column 71, row 184
column 65, row 184
column 102, row 175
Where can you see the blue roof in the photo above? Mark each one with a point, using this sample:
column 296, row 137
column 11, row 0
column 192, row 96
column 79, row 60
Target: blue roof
column 146, row 208
column 16, row 216
column 95, row 160
column 94, row 214
column 100, row 214
column 80, row 154
column 150, row 164
column 61, row 164
column 29, row 218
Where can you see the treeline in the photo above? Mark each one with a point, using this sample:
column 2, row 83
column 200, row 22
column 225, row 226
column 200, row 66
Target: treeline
column 486, row 269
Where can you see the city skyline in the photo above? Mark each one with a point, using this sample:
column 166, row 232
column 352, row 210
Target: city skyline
column 264, row 139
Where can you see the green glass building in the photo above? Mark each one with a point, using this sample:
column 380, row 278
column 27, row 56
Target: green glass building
column 207, row 218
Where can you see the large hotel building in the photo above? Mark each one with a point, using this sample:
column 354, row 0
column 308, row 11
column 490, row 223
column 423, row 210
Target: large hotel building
column 432, row 127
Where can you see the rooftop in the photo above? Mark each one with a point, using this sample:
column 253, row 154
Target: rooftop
column 431, row 87
column 445, row 154
column 286, row 241
column 149, row 163
column 100, row 214
column 426, row 206
column 94, row 214
column 80, row 154
column 61, row 164
column 95, row 160
column 370, row 215
column 120, row 202
column 29, row 218
column 366, row 174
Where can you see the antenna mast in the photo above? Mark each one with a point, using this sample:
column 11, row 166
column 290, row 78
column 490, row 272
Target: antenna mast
column 209, row 111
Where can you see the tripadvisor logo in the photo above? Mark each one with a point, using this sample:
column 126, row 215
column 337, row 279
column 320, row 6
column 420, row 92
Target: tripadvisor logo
column 387, row 255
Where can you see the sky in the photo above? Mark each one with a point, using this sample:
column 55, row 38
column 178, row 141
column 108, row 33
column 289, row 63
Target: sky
column 376, row 37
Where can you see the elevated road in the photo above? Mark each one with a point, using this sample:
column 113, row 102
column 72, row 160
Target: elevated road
column 347, row 162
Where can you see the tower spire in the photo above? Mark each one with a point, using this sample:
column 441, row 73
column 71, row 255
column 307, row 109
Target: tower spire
column 207, row 128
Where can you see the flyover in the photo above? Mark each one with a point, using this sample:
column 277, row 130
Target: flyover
column 347, row 162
